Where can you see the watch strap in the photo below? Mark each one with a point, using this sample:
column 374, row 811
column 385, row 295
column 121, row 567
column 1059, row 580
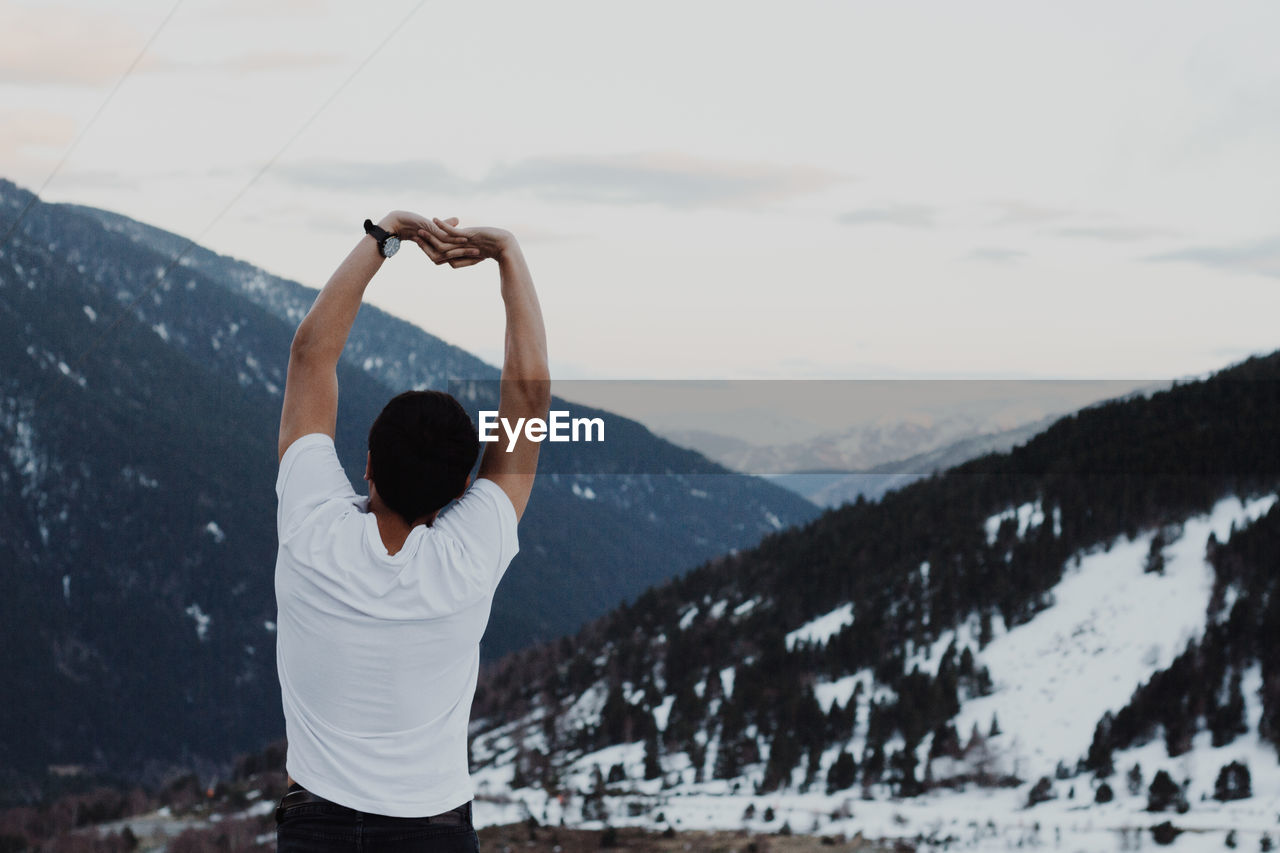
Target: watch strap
column 379, row 234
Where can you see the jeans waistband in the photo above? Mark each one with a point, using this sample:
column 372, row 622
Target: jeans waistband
column 300, row 796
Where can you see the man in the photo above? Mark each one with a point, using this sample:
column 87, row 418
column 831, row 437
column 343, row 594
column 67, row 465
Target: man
column 382, row 600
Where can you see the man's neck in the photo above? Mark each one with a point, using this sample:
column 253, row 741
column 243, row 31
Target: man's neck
column 393, row 529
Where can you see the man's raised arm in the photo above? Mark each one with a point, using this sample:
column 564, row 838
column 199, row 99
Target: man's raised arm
column 311, row 384
column 526, row 378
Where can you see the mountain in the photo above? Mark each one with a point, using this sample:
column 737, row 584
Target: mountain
column 139, row 402
column 834, row 488
column 1020, row 631
column 860, row 425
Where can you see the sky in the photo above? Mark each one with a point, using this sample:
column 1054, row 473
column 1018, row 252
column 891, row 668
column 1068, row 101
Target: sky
column 749, row 190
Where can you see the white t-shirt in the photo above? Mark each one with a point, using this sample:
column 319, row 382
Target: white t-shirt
column 378, row 654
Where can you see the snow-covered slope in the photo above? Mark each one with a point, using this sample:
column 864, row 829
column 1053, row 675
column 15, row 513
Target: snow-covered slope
column 1111, row 625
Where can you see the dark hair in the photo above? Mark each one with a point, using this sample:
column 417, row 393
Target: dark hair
column 421, row 449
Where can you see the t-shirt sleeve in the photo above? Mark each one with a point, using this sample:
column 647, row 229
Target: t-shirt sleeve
column 483, row 523
column 310, row 474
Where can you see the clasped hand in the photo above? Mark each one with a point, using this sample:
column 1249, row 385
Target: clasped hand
column 445, row 243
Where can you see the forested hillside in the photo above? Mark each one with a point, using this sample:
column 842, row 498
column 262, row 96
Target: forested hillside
column 840, row 654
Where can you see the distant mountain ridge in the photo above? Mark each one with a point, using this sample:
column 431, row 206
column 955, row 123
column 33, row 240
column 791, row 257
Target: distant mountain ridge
column 137, row 520
column 834, row 489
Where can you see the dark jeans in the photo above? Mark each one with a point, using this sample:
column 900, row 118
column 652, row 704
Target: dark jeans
column 330, row 828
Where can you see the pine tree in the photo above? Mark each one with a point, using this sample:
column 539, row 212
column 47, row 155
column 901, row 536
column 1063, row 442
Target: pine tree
column 1233, row 783
column 843, row 773
column 1134, row 780
column 1227, row 721
column 1099, row 760
column 784, row 754
column 593, row 805
column 1163, row 793
column 984, row 685
column 902, row 766
column 697, row 757
column 985, row 632
column 1155, row 555
column 1041, row 792
column 652, row 766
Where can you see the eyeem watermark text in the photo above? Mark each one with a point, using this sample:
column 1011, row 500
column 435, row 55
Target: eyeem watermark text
column 558, row 427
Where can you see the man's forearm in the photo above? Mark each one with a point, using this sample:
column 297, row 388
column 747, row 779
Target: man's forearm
column 525, row 350
column 322, row 334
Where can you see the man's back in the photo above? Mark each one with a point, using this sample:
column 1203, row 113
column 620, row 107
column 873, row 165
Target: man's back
column 383, row 600
column 378, row 654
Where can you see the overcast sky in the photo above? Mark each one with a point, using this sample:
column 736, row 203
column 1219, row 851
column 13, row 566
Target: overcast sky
column 714, row 190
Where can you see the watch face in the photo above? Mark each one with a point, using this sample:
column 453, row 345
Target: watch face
column 390, row 246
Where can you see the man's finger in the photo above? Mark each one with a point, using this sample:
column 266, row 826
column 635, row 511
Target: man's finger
column 427, row 238
column 432, row 252
column 444, row 232
column 435, row 242
column 448, row 228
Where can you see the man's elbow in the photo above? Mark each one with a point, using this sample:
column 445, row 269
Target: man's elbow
column 306, row 348
column 531, row 392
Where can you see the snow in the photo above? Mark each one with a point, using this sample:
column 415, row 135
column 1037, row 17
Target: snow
column 23, row 453
column 1111, row 627
column 160, row 330
column 584, row 492
column 202, row 621
column 260, row 809
column 66, row 588
column 585, row 711
column 823, row 628
column 1028, row 515
column 663, row 712
column 841, row 690
column 91, row 314
column 727, row 676
column 686, row 618
column 215, row 531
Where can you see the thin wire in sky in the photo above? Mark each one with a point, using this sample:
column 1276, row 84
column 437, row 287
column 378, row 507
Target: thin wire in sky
column 193, row 241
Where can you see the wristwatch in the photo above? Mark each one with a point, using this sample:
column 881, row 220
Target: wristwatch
column 388, row 243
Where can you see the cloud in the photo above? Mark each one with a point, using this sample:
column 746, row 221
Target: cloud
column 424, row 175
column 257, row 9
column 906, row 215
column 1022, row 213
column 64, row 46
column 671, row 180
column 21, row 130
column 278, row 60
column 1260, row 257
column 996, row 256
column 254, row 62
column 1118, row 233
